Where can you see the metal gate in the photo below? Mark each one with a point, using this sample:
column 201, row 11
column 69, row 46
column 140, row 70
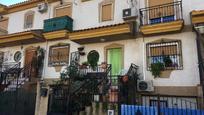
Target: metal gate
column 20, row 102
column 17, row 95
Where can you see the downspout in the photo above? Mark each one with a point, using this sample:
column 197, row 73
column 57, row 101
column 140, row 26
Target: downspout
column 200, row 60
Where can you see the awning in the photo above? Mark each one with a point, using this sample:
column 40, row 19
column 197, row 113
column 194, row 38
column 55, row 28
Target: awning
column 20, row 38
column 101, row 34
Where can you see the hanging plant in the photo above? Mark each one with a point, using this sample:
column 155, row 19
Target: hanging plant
column 40, row 59
column 93, row 58
column 156, row 69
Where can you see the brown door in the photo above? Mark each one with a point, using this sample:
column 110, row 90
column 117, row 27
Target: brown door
column 160, row 11
column 30, row 62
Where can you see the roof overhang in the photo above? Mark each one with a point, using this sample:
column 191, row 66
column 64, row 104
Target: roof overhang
column 3, row 9
column 28, row 37
column 23, row 5
column 55, row 35
column 197, row 16
column 101, row 34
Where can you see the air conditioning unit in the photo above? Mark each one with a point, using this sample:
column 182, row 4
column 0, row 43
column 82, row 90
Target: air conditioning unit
column 146, row 86
column 130, row 13
column 200, row 29
column 42, row 7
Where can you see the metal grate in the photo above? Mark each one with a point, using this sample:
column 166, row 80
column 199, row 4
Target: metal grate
column 167, row 53
column 161, row 13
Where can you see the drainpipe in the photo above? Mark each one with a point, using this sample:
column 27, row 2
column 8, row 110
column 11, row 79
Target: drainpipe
column 200, row 60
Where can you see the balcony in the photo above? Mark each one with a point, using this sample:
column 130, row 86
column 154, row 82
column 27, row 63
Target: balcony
column 197, row 17
column 57, row 27
column 159, row 19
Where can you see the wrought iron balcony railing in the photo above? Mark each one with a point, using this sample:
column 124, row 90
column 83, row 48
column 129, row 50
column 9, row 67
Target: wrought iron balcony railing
column 161, row 13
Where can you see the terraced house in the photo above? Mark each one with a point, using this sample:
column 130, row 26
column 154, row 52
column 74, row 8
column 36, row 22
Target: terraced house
column 98, row 57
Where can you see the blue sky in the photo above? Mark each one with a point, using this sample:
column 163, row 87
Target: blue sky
column 9, row 2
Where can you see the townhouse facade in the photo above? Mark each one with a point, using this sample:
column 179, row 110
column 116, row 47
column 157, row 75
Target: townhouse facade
column 144, row 32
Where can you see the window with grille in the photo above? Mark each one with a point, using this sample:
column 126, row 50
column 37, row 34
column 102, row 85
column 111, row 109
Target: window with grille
column 167, row 53
column 29, row 19
column 59, row 55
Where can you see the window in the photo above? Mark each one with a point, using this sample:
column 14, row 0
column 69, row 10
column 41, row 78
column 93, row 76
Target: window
column 29, row 18
column 59, row 55
column 65, row 10
column 161, row 12
column 167, row 53
column 4, row 23
column 106, row 10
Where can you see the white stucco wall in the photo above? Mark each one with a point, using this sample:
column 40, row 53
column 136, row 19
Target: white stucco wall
column 86, row 14
column 48, row 72
column 135, row 52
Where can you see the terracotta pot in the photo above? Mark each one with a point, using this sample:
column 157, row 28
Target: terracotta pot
column 104, row 66
column 125, row 78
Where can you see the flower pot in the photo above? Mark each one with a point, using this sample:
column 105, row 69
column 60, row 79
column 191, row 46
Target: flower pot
column 81, row 48
column 81, row 53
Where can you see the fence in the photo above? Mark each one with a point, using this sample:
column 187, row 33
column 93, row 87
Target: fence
column 163, row 105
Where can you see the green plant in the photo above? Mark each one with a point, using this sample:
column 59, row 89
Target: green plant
column 69, row 72
column 156, row 69
column 85, row 63
column 167, row 61
column 40, row 57
column 93, row 58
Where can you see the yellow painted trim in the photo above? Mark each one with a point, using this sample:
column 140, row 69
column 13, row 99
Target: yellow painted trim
column 56, row 35
column 2, row 9
column 200, row 12
column 100, row 32
column 162, row 27
column 198, row 19
column 18, row 37
column 197, row 16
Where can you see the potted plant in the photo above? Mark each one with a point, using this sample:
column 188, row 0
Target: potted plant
column 93, row 58
column 40, row 60
column 84, row 65
column 103, row 65
column 156, row 69
column 168, row 61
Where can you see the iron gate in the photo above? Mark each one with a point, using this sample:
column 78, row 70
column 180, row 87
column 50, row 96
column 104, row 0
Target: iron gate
column 19, row 102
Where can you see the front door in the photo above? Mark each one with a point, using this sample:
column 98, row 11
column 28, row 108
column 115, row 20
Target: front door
column 115, row 58
column 30, row 60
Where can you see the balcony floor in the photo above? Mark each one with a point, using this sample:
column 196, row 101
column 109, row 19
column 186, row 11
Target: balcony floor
column 167, row 27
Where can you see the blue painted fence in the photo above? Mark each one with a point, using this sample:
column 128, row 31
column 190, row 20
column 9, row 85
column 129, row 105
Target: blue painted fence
column 147, row 110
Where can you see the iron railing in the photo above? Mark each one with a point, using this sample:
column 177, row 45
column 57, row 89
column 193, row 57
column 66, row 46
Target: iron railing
column 14, row 77
column 15, row 100
column 161, row 13
column 80, row 92
column 163, row 105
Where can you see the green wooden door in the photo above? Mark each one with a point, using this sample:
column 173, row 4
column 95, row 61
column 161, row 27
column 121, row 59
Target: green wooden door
column 114, row 58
